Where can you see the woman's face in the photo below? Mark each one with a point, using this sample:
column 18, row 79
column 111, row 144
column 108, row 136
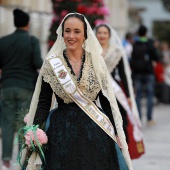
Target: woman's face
column 73, row 33
column 103, row 35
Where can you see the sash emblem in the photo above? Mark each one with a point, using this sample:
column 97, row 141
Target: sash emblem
column 62, row 74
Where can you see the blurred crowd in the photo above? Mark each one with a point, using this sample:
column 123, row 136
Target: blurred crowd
column 161, row 67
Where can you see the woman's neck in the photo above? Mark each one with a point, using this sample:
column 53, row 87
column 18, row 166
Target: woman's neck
column 75, row 55
column 105, row 48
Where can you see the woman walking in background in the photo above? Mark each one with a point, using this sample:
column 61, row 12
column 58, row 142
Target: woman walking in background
column 118, row 66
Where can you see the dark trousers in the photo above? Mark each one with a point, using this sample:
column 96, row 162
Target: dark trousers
column 12, row 100
column 146, row 82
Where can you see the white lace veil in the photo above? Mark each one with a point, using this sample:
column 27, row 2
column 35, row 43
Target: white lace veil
column 115, row 42
column 114, row 52
column 91, row 45
column 128, row 76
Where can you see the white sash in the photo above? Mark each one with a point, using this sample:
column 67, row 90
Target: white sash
column 123, row 101
column 77, row 96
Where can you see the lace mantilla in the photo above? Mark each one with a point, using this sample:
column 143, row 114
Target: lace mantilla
column 88, row 83
column 112, row 57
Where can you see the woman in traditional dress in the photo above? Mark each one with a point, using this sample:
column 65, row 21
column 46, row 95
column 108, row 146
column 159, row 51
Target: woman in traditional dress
column 81, row 136
column 117, row 64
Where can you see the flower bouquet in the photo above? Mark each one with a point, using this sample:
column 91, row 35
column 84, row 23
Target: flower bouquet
column 33, row 140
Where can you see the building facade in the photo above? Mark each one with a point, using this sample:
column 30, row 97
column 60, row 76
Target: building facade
column 152, row 11
column 119, row 15
column 40, row 18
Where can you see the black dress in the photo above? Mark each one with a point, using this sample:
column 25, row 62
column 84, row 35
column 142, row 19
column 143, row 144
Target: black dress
column 75, row 141
column 121, row 71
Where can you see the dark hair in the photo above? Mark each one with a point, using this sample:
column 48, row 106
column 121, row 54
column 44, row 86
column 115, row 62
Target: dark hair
column 103, row 25
column 142, row 30
column 78, row 16
column 128, row 35
column 21, row 18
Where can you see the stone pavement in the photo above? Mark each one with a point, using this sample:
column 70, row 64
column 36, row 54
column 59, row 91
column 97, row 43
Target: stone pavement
column 157, row 142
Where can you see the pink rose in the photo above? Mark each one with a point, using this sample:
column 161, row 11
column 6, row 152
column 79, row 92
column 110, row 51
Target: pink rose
column 40, row 136
column 29, row 137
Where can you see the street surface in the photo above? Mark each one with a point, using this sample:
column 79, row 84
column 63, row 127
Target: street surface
column 157, row 142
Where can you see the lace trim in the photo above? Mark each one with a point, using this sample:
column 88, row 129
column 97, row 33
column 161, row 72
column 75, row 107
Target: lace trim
column 88, row 83
column 112, row 57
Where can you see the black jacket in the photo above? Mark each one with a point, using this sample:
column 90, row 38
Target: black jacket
column 143, row 55
column 19, row 58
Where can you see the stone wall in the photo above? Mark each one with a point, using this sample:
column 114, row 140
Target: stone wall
column 119, row 15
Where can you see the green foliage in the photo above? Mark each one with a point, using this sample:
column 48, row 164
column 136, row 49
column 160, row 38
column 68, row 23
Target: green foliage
column 20, row 114
column 161, row 30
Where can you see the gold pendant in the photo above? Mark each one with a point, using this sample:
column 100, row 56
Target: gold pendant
column 75, row 65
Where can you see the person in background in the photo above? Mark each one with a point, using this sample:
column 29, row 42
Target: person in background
column 114, row 62
column 80, row 135
column 118, row 66
column 128, row 45
column 20, row 58
column 165, row 52
column 143, row 55
column 167, row 85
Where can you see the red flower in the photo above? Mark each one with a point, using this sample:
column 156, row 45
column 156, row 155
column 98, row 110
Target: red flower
column 50, row 43
column 91, row 10
column 77, row 0
column 81, row 8
column 63, row 13
column 97, row 0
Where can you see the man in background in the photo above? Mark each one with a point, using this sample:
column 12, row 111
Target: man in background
column 20, row 58
column 128, row 45
column 143, row 55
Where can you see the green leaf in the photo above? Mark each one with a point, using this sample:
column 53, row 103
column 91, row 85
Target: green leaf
column 19, row 121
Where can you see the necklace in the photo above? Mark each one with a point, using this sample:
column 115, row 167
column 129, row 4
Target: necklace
column 75, row 65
